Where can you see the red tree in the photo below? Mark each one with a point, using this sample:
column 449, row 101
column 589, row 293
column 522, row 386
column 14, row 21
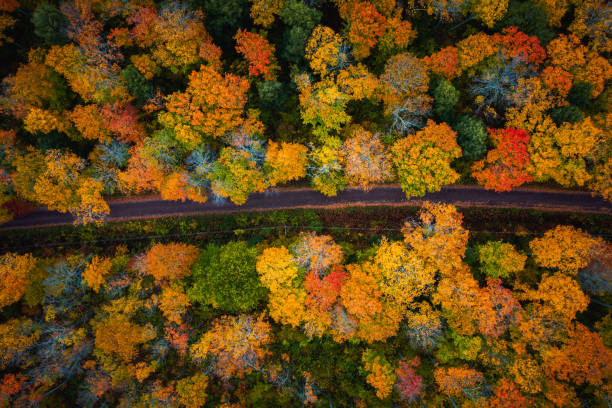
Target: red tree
column 506, row 165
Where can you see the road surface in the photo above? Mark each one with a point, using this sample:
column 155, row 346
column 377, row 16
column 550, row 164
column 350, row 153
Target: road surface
column 462, row 196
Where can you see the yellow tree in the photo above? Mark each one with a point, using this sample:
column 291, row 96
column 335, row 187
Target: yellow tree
column 263, row 12
column 285, row 162
column 438, row 236
column 192, row 390
column 280, row 274
column 365, row 159
column 237, row 345
column 566, row 249
column 326, row 52
column 423, row 160
column 116, row 335
column 15, row 271
column 404, row 275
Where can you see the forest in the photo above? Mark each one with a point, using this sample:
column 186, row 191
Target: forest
column 435, row 315
column 382, row 307
column 219, row 99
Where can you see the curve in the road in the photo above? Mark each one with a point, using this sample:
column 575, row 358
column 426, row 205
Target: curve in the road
column 462, row 196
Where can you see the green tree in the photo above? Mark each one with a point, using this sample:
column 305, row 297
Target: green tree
column 568, row 113
column 472, row 137
column 300, row 20
column 225, row 16
column 445, row 97
column 500, row 259
column 529, row 18
column 137, row 84
column 50, row 24
column 272, row 95
column 580, row 93
column 225, row 278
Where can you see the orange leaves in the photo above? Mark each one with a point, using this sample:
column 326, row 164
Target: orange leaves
column 438, row 236
column 381, row 374
column 505, row 166
column 15, row 271
column 170, row 262
column 583, row 359
column 367, row 25
column 212, row 106
column 95, row 273
column 285, row 162
column 317, row 252
column 117, row 335
column 173, row 303
column 444, row 62
column 453, row 381
column 176, row 35
column 258, row 52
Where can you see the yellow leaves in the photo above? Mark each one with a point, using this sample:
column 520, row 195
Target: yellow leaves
column 324, row 51
column 6, row 22
column 15, row 271
column 527, row 375
column 358, row 82
column 192, row 390
column 423, row 160
column 566, row 249
column 365, row 160
column 285, row 162
column 474, row 49
column 44, row 121
column 239, row 343
column 96, row 271
column 276, row 268
column 490, row 11
column 560, row 296
column 438, row 236
column 278, row 272
column 500, row 259
column 263, row 12
column 404, row 275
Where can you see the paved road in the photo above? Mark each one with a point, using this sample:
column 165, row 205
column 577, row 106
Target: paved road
column 461, row 196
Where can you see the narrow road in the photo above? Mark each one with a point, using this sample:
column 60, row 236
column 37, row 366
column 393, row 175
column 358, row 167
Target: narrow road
column 462, row 196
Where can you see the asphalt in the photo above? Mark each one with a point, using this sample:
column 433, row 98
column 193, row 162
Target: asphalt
column 462, row 196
